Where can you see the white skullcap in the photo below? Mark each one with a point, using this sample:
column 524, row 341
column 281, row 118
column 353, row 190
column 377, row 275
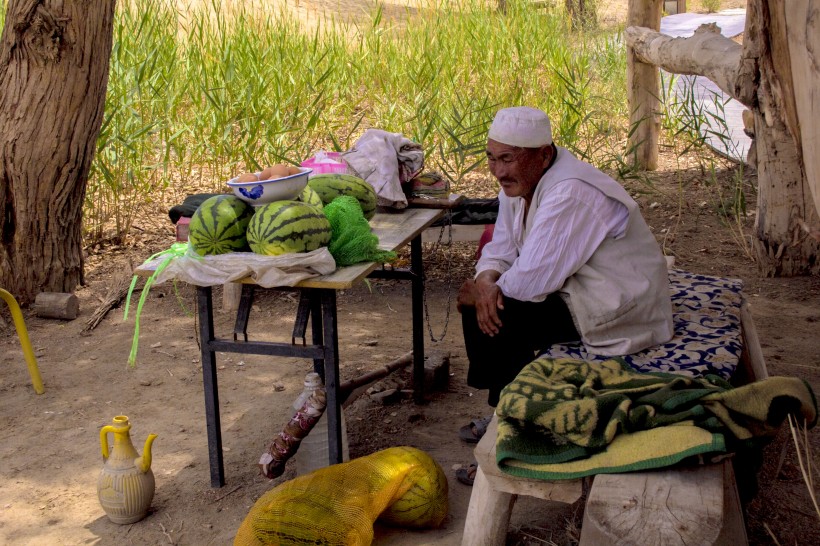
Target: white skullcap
column 521, row 126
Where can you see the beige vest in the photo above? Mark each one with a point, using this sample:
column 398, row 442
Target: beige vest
column 620, row 298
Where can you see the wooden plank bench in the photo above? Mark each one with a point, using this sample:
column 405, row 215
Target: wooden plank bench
column 676, row 505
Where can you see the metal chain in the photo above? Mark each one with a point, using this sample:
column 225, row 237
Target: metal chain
column 448, row 224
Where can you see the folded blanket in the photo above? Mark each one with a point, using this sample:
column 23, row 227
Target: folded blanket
column 566, row 418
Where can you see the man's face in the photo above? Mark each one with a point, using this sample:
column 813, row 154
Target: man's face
column 518, row 170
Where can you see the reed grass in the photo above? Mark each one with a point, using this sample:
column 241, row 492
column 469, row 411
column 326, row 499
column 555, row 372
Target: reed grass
column 694, row 119
column 198, row 92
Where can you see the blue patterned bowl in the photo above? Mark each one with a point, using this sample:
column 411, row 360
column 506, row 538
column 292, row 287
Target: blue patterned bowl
column 263, row 192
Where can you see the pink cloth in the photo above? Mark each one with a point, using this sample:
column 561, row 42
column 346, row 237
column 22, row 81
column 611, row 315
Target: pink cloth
column 485, row 238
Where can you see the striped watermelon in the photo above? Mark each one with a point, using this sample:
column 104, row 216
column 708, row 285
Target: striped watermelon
column 219, row 224
column 331, row 186
column 287, row 226
column 310, row 197
column 420, row 500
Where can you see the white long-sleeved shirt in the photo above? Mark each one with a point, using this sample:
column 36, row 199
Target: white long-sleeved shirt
column 585, row 237
column 562, row 231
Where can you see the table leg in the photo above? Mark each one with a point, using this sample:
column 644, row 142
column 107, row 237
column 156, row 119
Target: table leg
column 316, row 329
column 417, row 268
column 206, row 335
column 331, row 365
column 243, row 313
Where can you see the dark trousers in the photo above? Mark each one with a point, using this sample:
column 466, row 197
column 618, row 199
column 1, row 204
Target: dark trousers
column 528, row 328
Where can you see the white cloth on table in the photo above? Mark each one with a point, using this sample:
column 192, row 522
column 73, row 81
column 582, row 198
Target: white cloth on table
column 266, row 271
column 386, row 161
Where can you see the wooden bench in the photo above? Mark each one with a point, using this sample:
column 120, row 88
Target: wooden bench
column 676, row 505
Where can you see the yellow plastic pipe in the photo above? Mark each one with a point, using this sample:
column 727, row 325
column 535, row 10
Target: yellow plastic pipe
column 22, row 333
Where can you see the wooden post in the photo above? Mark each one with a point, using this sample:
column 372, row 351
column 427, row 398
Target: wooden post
column 673, row 7
column 643, row 88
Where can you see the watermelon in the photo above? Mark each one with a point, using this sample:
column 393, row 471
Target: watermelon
column 219, row 224
column 310, row 197
column 420, row 500
column 331, row 186
column 287, row 226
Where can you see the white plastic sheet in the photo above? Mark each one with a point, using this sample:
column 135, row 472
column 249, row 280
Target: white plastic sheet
column 266, row 271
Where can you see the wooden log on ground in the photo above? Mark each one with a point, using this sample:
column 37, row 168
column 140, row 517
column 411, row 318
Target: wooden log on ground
column 353, row 388
column 57, row 305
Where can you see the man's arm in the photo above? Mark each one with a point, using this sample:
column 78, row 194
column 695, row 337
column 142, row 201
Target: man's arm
column 568, row 228
column 484, row 294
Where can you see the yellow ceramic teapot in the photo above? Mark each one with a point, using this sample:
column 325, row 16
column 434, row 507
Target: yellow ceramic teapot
column 126, row 484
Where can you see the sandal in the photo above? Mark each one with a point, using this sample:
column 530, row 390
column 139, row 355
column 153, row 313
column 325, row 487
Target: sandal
column 466, row 475
column 473, row 432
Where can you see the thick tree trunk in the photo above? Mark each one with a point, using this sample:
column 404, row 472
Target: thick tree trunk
column 777, row 57
column 803, row 35
column 785, row 202
column 782, row 247
column 54, row 58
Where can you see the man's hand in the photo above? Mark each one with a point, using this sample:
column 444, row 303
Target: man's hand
column 486, row 297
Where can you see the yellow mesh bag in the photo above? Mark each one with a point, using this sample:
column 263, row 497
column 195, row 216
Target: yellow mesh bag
column 338, row 505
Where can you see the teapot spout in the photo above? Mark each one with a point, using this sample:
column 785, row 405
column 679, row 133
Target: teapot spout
column 144, row 462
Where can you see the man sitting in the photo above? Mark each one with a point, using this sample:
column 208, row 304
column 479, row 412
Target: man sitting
column 571, row 259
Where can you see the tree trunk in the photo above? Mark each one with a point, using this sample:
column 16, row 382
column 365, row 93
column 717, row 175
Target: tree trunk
column 775, row 75
column 803, row 35
column 782, row 247
column 583, row 13
column 54, row 58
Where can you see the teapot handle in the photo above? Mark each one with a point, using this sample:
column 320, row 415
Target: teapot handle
column 104, row 440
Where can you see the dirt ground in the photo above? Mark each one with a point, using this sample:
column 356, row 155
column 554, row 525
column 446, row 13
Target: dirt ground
column 50, row 449
column 49, row 444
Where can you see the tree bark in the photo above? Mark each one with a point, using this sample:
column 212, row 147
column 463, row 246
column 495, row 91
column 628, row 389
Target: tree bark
column 782, row 247
column 706, row 53
column 803, row 35
column 54, row 59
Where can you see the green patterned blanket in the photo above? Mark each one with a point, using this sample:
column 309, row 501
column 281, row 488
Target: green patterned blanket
column 568, row 418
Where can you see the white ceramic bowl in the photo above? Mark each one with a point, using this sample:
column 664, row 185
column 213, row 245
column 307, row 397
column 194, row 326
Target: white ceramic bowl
column 263, row 192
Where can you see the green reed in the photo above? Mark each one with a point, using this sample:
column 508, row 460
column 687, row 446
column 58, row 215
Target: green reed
column 198, row 94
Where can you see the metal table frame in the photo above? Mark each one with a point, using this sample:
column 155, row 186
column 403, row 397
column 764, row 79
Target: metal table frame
column 317, row 303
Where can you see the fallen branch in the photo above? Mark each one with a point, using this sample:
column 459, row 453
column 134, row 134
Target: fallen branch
column 350, row 390
column 116, row 293
column 219, row 498
column 164, row 532
column 706, row 53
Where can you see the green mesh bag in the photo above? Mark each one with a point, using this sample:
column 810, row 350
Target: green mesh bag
column 352, row 241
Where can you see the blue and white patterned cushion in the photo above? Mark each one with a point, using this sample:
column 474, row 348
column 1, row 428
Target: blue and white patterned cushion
column 706, row 313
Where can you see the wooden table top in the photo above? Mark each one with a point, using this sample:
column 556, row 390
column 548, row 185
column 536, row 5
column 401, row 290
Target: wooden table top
column 394, row 230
